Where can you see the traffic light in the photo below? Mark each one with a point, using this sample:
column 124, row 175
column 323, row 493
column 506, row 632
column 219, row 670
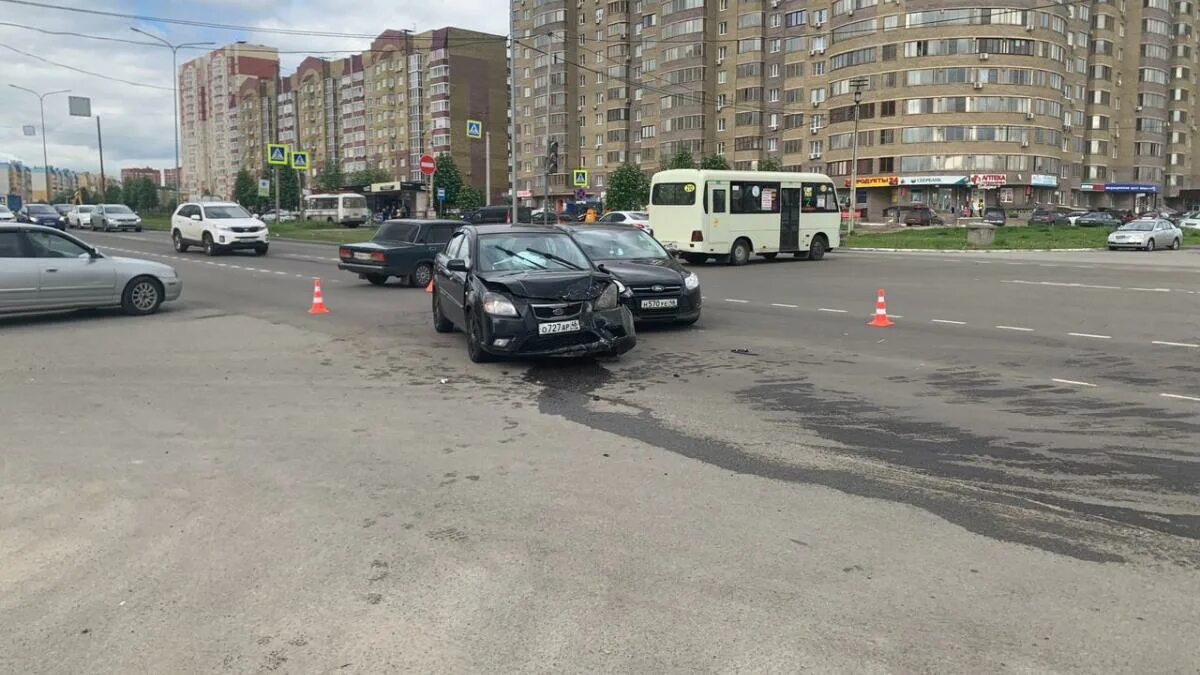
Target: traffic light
column 552, row 157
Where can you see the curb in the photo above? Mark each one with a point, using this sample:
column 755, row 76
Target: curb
column 967, row 251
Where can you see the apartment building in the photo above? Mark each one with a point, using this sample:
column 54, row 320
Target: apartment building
column 1075, row 104
column 62, row 181
column 134, row 173
column 255, row 119
column 16, row 178
column 171, row 177
column 210, row 119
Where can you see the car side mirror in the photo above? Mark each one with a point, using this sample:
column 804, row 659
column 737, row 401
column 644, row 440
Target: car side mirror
column 456, row 265
column 196, row 217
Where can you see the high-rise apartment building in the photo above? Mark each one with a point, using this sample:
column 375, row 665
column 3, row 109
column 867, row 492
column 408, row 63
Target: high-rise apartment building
column 210, row 119
column 63, row 183
column 254, row 115
column 16, row 179
column 1027, row 102
column 133, row 173
column 171, row 177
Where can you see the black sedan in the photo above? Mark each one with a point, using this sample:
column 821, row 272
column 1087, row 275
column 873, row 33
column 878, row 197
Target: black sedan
column 1099, row 219
column 525, row 290
column 400, row 248
column 41, row 214
column 656, row 287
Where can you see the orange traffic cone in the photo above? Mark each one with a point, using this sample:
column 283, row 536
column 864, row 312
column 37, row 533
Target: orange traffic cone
column 881, row 319
column 318, row 303
column 429, row 288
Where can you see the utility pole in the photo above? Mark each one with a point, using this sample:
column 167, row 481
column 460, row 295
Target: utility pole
column 100, row 142
column 487, row 167
column 857, row 84
column 512, row 113
column 551, row 167
column 45, row 157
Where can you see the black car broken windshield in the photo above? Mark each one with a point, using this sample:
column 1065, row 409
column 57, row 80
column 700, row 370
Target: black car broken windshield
column 528, row 252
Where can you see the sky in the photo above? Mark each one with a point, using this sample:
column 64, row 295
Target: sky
column 136, row 116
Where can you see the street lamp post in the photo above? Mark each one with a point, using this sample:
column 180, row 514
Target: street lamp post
column 45, row 157
column 857, row 84
column 174, row 94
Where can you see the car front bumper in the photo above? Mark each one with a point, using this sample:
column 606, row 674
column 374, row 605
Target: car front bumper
column 1127, row 244
column 602, row 332
column 172, row 288
column 686, row 309
column 241, row 240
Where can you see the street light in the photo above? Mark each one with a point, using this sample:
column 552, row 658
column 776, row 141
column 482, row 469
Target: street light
column 857, row 84
column 174, row 94
column 42, row 105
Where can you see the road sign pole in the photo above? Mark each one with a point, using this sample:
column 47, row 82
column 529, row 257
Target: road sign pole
column 276, row 173
column 487, row 167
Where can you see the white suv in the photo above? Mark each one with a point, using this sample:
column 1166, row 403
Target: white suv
column 218, row 227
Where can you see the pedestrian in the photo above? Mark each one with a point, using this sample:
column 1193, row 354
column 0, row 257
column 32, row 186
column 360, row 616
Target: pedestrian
column 590, row 217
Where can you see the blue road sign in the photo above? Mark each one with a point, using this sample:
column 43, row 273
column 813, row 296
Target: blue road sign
column 441, row 194
column 277, row 154
column 474, row 129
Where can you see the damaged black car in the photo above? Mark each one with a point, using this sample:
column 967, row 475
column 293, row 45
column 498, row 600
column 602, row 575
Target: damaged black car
column 527, row 291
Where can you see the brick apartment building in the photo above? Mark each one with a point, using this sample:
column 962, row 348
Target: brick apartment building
column 128, row 174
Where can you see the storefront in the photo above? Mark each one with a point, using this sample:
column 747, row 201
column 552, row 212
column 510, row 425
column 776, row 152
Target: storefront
column 941, row 193
column 1135, row 197
column 398, row 199
column 873, row 194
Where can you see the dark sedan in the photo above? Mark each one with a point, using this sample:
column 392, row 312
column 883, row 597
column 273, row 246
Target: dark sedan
column 1099, row 219
column 400, row 248
column 527, row 291
column 657, row 287
column 41, row 214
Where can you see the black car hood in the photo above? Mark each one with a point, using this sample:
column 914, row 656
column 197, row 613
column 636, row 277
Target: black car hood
column 646, row 271
column 564, row 286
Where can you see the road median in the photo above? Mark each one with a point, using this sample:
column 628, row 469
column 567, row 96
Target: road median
column 1007, row 239
column 299, row 230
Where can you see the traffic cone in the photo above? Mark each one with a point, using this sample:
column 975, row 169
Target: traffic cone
column 318, row 303
column 880, row 319
column 429, row 288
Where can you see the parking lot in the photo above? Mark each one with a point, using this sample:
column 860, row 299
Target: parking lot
column 1004, row 480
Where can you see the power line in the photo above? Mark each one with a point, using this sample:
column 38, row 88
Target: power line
column 85, row 72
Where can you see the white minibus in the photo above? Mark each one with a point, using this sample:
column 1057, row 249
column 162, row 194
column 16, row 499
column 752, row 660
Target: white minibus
column 346, row 209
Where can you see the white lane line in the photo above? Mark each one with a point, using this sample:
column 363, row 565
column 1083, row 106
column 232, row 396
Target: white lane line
column 1060, row 284
column 1175, row 344
column 947, row 321
column 1018, row 328
column 835, row 311
column 780, row 304
column 1091, row 335
column 1074, row 382
column 740, row 302
column 1181, row 398
column 281, row 273
column 1151, row 290
column 895, row 316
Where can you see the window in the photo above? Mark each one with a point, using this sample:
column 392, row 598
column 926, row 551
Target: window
column 10, row 245
column 47, row 245
column 718, row 201
column 722, row 28
column 673, row 194
column 793, row 19
column 752, row 197
column 818, row 198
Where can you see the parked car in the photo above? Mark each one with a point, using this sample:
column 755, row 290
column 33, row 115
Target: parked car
column 638, row 219
column 1146, row 234
column 994, row 215
column 549, row 218
column 41, row 214
column 654, row 285
column 48, row 270
column 284, row 216
column 400, row 248
column 80, row 216
column 915, row 215
column 1048, row 215
column 218, row 227
column 527, row 290
column 115, row 217
column 1099, row 219
column 489, row 215
column 7, row 216
column 1190, row 221
column 63, row 210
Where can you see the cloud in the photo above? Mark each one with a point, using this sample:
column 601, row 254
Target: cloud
column 138, row 122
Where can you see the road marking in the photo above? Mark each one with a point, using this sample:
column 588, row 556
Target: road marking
column 1060, row 284
column 1091, row 335
column 282, row 273
column 1175, row 344
column 1151, row 290
column 1023, row 330
column 947, row 321
column 742, row 302
column 1181, row 398
column 895, row 316
column 780, row 304
column 835, row 311
column 1074, row 382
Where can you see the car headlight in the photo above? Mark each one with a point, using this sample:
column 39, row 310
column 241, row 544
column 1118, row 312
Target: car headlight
column 498, row 305
column 623, row 289
column 691, row 281
column 608, row 299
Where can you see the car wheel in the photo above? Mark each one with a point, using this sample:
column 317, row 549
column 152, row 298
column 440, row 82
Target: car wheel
column 816, row 249
column 210, row 246
column 376, row 279
column 181, row 246
column 421, row 276
column 695, row 258
column 1112, row 248
column 475, row 349
column 142, row 296
column 137, row 229
column 1150, row 244
column 440, row 323
column 1175, row 244
column 740, row 253
column 769, row 256
column 261, row 250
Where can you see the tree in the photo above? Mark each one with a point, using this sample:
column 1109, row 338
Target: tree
column 147, row 195
column 770, row 164
column 446, row 177
column 112, row 194
column 369, row 176
column 470, row 198
column 628, row 189
column 245, row 190
column 289, row 190
column 714, row 162
column 330, row 178
column 682, row 159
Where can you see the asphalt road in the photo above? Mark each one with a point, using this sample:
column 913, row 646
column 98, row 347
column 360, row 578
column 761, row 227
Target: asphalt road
column 1006, row 480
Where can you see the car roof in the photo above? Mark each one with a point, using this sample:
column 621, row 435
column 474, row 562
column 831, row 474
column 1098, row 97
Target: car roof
column 19, row 227
column 508, row 228
column 424, row 221
column 210, row 204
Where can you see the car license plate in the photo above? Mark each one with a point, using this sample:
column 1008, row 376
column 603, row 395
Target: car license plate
column 555, row 327
column 664, row 303
column 362, row 256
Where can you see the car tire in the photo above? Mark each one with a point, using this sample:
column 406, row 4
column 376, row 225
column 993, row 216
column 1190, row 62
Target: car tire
column 421, row 276
column 1150, row 244
column 817, row 247
column 142, row 296
column 739, row 254
column 210, row 246
column 695, row 258
column 1175, row 244
column 1112, row 248
column 440, row 323
column 376, row 279
column 769, row 256
column 181, row 246
column 475, row 349
column 137, row 229
column 261, row 250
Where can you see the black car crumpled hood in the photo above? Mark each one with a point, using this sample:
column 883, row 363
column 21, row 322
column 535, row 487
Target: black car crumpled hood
column 564, row 286
column 646, row 271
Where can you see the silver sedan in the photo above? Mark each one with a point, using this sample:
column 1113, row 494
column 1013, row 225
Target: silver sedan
column 43, row 270
column 1147, row 234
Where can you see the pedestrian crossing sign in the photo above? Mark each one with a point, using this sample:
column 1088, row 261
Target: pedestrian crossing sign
column 579, row 178
column 474, row 129
column 300, row 161
column 277, row 155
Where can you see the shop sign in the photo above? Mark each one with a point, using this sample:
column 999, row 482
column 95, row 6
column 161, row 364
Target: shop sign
column 989, row 180
column 874, row 181
column 933, row 180
column 1129, row 187
column 1043, row 180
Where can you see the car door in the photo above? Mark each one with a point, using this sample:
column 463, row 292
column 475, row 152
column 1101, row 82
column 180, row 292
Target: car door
column 451, row 285
column 436, row 237
column 18, row 273
column 68, row 275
